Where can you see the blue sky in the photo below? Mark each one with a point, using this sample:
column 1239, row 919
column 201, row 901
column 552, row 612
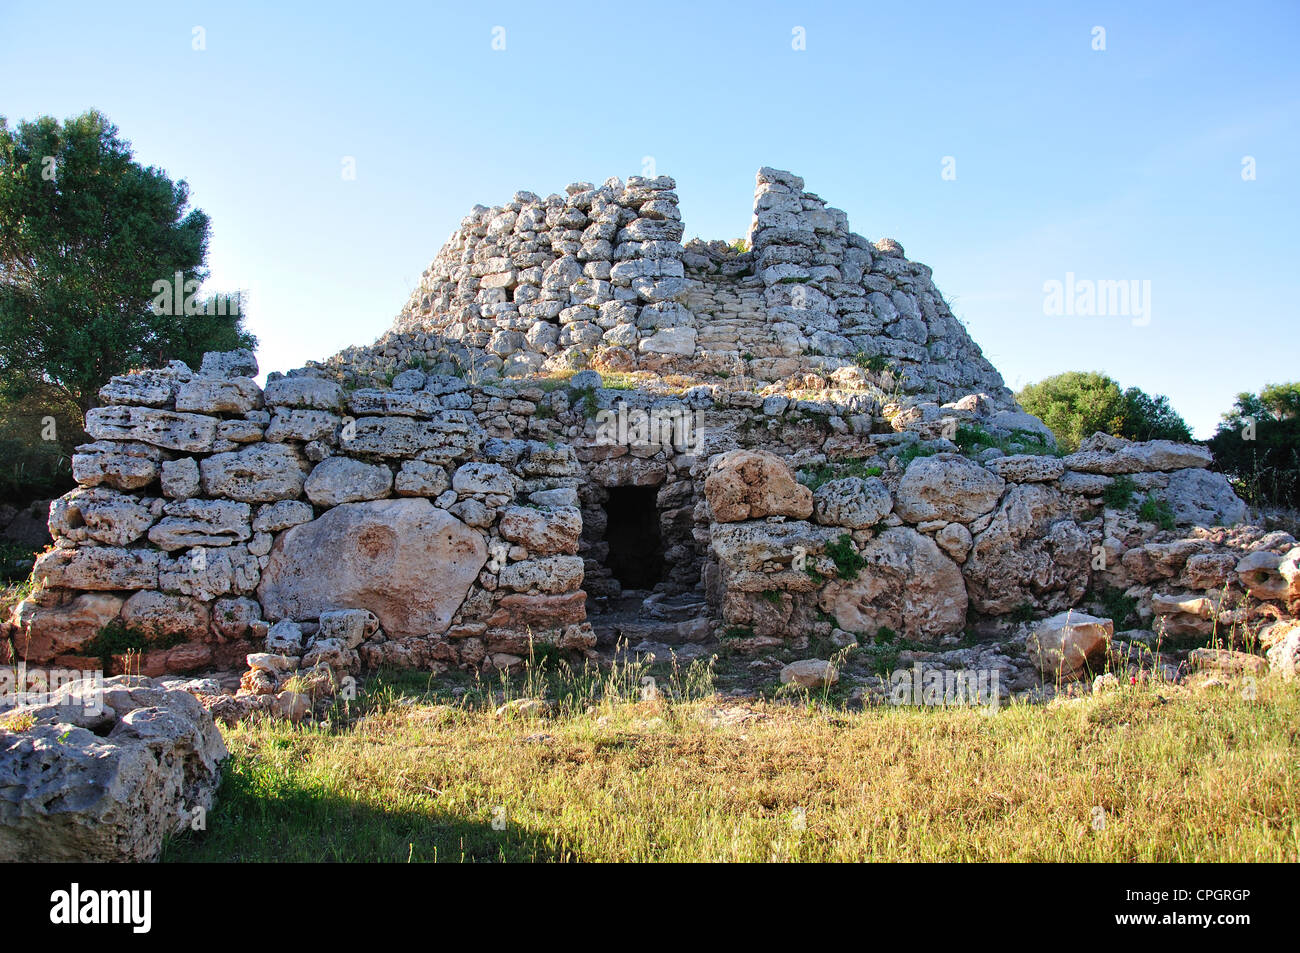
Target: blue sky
column 1115, row 164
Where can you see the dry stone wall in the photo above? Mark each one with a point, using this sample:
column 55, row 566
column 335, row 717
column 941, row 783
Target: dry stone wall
column 834, row 458
column 598, row 277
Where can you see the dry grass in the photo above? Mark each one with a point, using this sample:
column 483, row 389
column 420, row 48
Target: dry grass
column 1139, row 774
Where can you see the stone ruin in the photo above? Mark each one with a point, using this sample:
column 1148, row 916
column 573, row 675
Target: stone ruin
column 581, row 433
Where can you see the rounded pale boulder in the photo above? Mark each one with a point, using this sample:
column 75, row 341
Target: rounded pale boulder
column 752, row 484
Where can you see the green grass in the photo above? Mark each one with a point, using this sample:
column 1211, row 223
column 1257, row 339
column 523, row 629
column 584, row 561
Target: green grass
column 911, row 452
column 1180, row 776
column 816, row 477
column 972, row 439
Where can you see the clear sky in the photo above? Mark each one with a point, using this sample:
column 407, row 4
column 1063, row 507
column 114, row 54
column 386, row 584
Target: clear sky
column 1122, row 163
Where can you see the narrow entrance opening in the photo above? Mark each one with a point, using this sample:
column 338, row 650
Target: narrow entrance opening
column 636, row 550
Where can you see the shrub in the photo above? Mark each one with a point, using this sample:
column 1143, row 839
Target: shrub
column 847, row 559
column 1119, row 494
column 1156, row 510
column 1078, row 404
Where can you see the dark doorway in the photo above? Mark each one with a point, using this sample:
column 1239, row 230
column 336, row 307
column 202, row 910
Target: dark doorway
column 636, row 551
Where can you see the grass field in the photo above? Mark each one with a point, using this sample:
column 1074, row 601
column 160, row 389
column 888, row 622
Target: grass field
column 1159, row 773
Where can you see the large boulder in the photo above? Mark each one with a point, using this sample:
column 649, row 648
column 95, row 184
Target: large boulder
column 907, row 584
column 1203, row 498
column 45, row 632
column 852, row 502
column 1102, row 453
column 1065, row 644
column 193, row 433
column 1031, row 553
column 405, row 560
column 344, row 480
column 543, row 532
column 752, row 484
column 262, row 473
column 102, row 515
column 946, row 486
column 105, row 778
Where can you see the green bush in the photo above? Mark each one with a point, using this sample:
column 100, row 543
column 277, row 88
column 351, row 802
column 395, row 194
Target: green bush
column 847, row 560
column 1078, row 404
column 1156, row 510
column 1119, row 493
column 1257, row 446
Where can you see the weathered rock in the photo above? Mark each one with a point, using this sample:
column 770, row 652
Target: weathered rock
column 103, row 515
column 261, row 473
column 349, row 627
column 206, row 574
column 810, row 673
column 273, row 517
column 852, row 502
column 45, row 632
column 233, row 618
column 285, row 638
column 308, row 392
column 192, row 433
column 955, row 540
column 531, row 612
column 1282, row 640
column 1258, row 572
column 1203, row 498
column 1227, row 661
column 180, row 478
column 331, row 654
column 344, row 480
column 757, row 557
column 407, row 561
column 1030, row 554
column 69, row 793
column 1102, row 453
column 211, row 395
column 303, row 425
column 1064, row 645
column 240, row 362
column 552, row 574
column 149, row 388
column 946, row 486
column 122, row 465
column 751, row 484
column 543, row 532
column 417, row 478
column 202, row 523
column 98, row 568
column 1025, row 468
column 483, row 479
column 907, row 584
column 158, row 615
column 451, row 435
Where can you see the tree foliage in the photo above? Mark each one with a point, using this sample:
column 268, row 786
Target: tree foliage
column 86, row 236
column 1077, row 404
column 1258, row 445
